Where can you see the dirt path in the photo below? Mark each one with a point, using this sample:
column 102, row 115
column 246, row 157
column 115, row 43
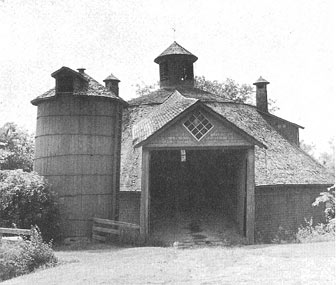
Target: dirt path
column 267, row 264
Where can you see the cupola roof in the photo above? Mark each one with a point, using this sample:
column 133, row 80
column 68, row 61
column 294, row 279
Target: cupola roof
column 175, row 49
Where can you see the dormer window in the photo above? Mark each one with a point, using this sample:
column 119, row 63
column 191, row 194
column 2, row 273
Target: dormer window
column 65, row 84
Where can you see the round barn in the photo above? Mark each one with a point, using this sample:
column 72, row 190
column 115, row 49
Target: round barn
column 193, row 167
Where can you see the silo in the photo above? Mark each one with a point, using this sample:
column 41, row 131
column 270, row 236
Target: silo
column 78, row 150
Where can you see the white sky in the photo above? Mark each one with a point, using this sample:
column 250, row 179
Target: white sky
column 289, row 43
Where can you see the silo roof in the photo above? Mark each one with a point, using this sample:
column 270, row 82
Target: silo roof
column 93, row 88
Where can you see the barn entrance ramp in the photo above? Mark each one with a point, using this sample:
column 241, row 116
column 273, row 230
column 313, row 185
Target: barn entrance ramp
column 196, row 196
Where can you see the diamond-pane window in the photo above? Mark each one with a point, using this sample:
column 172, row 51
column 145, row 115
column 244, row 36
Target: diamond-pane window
column 198, row 125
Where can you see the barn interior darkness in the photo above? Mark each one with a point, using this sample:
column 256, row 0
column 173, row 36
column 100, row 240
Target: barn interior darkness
column 193, row 186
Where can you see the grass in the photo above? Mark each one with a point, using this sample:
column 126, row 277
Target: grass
column 311, row 263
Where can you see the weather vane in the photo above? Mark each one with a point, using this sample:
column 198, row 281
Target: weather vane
column 174, row 33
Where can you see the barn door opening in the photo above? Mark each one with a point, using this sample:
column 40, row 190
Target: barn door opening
column 196, row 193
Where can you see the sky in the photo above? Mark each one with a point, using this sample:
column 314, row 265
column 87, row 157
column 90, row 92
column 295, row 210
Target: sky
column 289, row 43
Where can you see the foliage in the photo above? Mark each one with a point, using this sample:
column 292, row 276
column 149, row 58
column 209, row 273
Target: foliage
column 309, row 148
column 26, row 256
column 26, row 200
column 320, row 232
column 142, row 90
column 328, row 198
column 327, row 158
column 284, row 236
column 228, row 89
column 16, row 148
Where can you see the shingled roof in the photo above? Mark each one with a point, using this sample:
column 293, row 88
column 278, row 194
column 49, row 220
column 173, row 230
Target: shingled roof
column 175, row 49
column 161, row 95
column 280, row 163
column 164, row 113
column 93, row 88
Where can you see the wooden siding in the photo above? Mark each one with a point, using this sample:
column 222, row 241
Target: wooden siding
column 78, row 151
column 285, row 206
column 178, row 136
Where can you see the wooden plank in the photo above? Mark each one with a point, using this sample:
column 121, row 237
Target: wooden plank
column 15, row 231
column 98, row 237
column 250, row 202
column 105, row 230
column 144, row 203
column 115, row 223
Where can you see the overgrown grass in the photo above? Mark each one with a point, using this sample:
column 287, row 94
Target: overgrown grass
column 25, row 256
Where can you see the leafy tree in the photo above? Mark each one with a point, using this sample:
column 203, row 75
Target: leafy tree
column 228, row 89
column 16, row 148
column 142, row 90
column 327, row 158
column 309, row 148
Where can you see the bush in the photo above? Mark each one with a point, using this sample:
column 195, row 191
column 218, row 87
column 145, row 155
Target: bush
column 27, row 200
column 328, row 198
column 320, row 232
column 26, row 256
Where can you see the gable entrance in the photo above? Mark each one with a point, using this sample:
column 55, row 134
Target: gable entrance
column 197, row 174
column 197, row 196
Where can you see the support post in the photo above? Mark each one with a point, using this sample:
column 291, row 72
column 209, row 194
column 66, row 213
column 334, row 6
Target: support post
column 144, row 204
column 250, row 203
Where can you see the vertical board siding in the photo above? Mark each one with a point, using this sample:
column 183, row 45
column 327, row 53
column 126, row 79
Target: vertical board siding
column 285, row 206
column 76, row 148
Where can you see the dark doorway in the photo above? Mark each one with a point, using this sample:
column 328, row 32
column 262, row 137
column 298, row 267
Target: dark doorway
column 194, row 192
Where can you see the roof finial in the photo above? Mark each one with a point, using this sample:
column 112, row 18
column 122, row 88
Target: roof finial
column 174, row 33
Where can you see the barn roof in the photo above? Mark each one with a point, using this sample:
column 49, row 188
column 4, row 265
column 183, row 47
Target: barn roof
column 161, row 95
column 163, row 114
column 93, row 88
column 281, row 162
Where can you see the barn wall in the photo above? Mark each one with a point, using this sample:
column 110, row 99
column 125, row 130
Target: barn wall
column 129, row 207
column 286, row 129
column 286, row 206
column 178, row 136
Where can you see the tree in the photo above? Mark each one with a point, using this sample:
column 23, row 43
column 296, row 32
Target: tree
column 228, row 89
column 309, row 148
column 16, row 148
column 27, row 200
column 327, row 158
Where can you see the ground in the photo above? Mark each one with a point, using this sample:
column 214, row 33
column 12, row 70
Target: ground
column 312, row 263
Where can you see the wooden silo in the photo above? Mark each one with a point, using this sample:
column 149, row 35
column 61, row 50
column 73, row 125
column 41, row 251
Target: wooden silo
column 78, row 137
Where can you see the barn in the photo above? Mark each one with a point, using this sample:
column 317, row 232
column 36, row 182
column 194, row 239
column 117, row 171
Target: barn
column 180, row 162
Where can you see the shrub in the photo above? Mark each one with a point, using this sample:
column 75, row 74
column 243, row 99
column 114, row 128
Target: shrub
column 328, row 198
column 320, row 232
column 26, row 200
column 26, row 256
column 284, row 236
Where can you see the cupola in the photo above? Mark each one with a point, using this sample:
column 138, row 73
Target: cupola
column 176, row 67
column 261, row 94
column 112, row 84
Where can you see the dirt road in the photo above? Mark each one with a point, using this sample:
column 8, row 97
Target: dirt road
column 264, row 264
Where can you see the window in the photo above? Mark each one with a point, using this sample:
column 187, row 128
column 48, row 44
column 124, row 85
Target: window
column 164, row 70
column 65, row 84
column 187, row 72
column 198, row 125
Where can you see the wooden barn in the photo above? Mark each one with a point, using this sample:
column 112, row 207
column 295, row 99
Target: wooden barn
column 180, row 162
